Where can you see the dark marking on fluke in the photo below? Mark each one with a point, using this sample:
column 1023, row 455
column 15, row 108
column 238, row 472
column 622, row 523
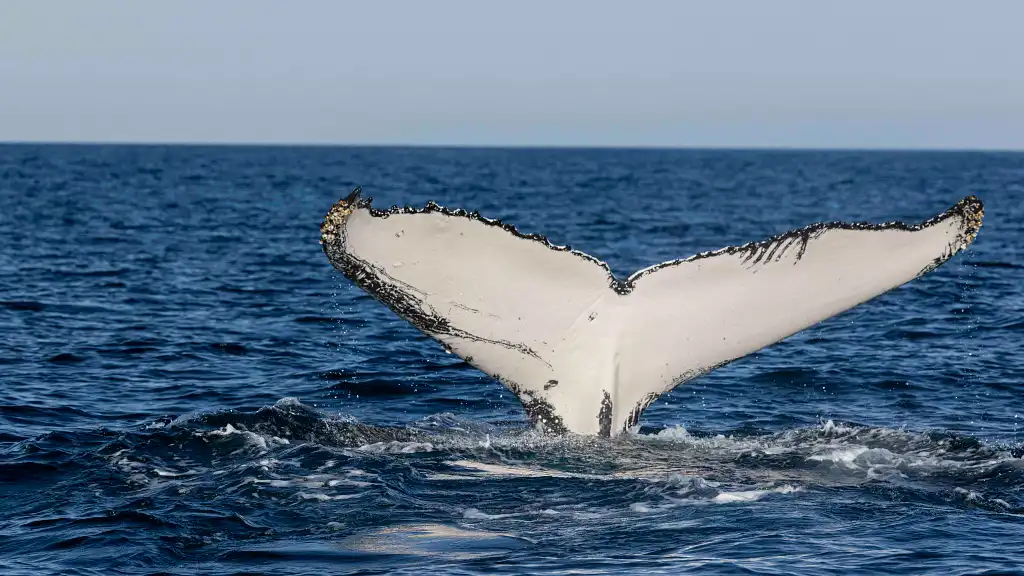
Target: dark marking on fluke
column 538, row 410
column 401, row 298
column 634, row 414
column 604, row 417
column 970, row 209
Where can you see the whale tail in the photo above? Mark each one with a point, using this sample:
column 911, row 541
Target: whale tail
column 586, row 352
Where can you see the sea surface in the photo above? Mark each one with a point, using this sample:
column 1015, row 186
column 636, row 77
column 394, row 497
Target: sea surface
column 188, row 387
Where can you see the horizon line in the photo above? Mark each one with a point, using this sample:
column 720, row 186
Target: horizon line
column 495, row 146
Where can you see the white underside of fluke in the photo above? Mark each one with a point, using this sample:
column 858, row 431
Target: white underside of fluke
column 587, row 353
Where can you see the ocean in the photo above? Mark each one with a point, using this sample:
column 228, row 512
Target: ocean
column 188, row 387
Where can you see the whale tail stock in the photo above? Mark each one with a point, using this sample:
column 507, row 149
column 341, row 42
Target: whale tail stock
column 586, row 352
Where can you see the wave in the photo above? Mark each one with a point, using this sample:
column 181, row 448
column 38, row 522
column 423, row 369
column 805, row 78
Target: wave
column 294, row 455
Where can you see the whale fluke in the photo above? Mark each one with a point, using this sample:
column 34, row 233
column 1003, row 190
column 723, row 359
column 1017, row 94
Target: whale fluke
column 586, row 352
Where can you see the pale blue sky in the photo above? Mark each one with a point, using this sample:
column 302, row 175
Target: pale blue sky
column 864, row 73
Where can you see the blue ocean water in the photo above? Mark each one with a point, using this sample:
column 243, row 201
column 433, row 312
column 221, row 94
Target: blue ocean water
column 188, row 387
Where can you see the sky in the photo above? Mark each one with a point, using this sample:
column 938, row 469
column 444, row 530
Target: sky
column 722, row 73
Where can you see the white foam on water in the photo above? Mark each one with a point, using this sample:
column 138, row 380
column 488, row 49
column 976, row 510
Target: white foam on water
column 475, row 514
column 510, row 470
column 843, row 456
column 691, row 482
column 437, row 540
column 831, row 428
column 287, row 401
column 968, row 495
column 396, row 447
column 470, row 470
column 751, row 495
column 337, row 482
column 327, row 497
column 261, row 442
column 127, row 465
column 641, row 507
column 169, row 474
column 871, row 453
column 274, row 483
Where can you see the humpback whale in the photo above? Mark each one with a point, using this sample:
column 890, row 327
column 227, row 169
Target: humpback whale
column 586, row 352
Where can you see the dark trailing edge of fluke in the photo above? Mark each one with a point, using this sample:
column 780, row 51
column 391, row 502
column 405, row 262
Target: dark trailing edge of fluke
column 768, row 250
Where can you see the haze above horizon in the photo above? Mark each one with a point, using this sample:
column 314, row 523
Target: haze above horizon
column 732, row 74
